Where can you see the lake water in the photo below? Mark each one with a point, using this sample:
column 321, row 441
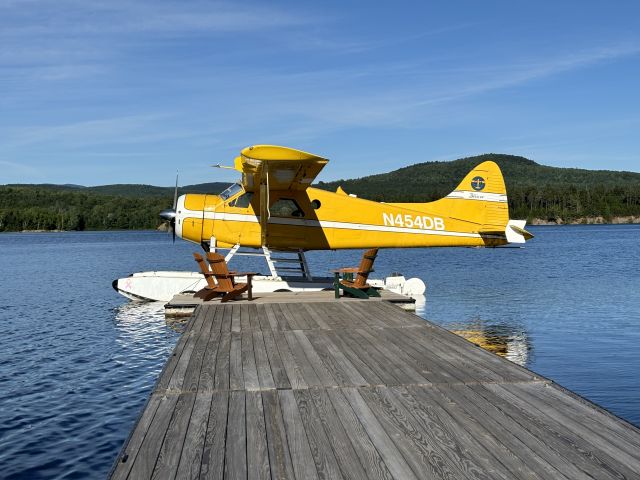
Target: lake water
column 77, row 361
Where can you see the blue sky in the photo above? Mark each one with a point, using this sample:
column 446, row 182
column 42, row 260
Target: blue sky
column 112, row 91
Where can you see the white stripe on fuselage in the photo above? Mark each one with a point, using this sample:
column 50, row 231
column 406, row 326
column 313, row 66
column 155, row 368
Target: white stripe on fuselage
column 483, row 196
column 301, row 222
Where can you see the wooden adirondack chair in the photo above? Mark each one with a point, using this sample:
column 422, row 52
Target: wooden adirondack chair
column 224, row 283
column 357, row 287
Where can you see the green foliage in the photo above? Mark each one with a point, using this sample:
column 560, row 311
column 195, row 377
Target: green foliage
column 534, row 191
column 42, row 208
column 74, row 207
column 128, row 190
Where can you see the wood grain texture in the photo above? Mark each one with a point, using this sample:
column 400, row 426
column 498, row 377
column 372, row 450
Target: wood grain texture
column 171, row 449
column 424, row 457
column 146, row 458
column 301, row 458
column 319, row 444
column 368, row 454
column 265, row 377
column 249, row 370
column 213, row 452
column 359, row 389
column 276, row 365
column 192, row 450
column 257, row 451
column 236, row 377
column 206, row 382
column 345, row 454
column 221, row 381
column 127, row 456
column 279, row 458
column 394, row 459
column 235, row 464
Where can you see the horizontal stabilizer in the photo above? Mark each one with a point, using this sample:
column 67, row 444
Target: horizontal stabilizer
column 514, row 231
column 526, row 234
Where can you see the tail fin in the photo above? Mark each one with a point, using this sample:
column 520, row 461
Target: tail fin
column 481, row 201
column 481, row 198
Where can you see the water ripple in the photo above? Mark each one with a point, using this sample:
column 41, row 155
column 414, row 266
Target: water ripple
column 78, row 362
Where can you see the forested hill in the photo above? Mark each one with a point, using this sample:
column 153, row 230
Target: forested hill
column 534, row 190
column 126, row 189
column 74, row 207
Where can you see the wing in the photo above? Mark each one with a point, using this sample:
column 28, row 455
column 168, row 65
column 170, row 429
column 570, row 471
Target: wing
column 280, row 168
column 268, row 167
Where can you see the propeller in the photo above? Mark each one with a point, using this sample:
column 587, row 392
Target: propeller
column 169, row 214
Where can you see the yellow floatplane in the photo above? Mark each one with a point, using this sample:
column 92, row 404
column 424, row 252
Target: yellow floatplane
column 275, row 208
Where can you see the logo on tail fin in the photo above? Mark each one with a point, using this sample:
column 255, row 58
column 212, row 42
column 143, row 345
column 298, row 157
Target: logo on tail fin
column 477, row 183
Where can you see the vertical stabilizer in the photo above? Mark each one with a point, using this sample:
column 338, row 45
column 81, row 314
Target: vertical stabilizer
column 480, row 198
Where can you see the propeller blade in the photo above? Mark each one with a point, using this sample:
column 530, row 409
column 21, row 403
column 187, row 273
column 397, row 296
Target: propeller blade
column 175, row 193
column 173, row 230
column 168, row 214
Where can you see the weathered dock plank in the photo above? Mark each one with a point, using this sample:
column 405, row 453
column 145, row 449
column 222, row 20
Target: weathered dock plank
column 289, row 388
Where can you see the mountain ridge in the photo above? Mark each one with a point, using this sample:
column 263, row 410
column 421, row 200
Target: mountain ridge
column 536, row 192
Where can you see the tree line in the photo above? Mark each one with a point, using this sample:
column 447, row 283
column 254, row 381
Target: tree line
column 534, row 191
column 33, row 208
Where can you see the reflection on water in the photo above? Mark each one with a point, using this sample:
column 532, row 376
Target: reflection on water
column 507, row 340
column 136, row 320
column 131, row 314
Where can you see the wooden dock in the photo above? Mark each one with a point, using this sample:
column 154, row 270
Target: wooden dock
column 364, row 390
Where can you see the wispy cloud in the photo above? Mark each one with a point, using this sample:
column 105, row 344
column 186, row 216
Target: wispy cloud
column 91, row 132
column 69, row 17
column 47, row 41
column 394, row 94
column 518, row 73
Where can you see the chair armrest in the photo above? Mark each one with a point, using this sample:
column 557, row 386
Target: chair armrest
column 346, row 270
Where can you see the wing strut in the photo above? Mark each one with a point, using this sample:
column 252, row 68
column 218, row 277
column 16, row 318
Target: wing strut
column 264, row 203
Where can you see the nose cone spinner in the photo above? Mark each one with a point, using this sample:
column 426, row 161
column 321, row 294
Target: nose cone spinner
column 168, row 214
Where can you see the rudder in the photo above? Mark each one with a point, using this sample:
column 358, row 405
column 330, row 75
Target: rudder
column 480, row 198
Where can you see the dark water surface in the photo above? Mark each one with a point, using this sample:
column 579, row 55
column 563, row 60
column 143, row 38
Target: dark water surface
column 77, row 361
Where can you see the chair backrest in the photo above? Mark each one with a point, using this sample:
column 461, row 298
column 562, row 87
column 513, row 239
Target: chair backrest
column 221, row 271
column 366, row 267
column 204, row 268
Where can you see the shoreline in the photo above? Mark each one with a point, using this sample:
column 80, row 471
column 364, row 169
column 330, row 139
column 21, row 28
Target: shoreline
column 618, row 220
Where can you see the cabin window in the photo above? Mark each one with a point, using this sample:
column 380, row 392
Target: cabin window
column 316, row 204
column 286, row 207
column 231, row 191
column 243, row 201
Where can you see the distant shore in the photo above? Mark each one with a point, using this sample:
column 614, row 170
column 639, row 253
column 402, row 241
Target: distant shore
column 587, row 221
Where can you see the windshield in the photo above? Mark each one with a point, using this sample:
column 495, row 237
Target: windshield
column 231, row 191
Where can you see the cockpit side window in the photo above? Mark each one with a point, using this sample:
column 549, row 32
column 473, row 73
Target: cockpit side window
column 286, row 207
column 243, row 201
column 231, row 191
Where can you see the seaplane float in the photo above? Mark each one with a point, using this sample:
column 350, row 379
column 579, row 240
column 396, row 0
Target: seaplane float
column 274, row 212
